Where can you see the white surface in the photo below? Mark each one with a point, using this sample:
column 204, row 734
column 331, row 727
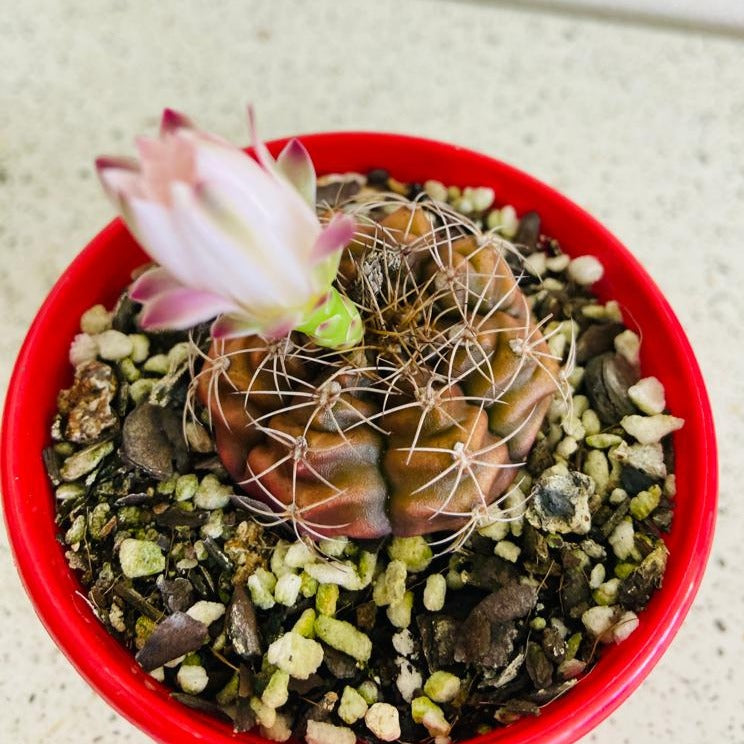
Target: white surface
column 642, row 127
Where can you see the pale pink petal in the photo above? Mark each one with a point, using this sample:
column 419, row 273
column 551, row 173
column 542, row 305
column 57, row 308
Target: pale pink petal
column 152, row 283
column 295, row 164
column 182, row 308
column 164, row 161
column 120, row 177
column 335, row 236
column 232, row 326
column 172, row 121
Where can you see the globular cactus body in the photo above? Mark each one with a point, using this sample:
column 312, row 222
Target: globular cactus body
column 422, row 425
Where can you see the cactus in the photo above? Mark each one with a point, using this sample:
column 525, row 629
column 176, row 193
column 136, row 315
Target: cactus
column 422, row 426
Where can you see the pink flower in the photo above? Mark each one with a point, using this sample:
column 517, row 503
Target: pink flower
column 234, row 237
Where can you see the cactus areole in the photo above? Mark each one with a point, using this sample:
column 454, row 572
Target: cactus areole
column 374, row 367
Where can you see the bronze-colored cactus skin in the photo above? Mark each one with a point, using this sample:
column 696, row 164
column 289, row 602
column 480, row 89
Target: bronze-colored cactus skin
column 419, row 428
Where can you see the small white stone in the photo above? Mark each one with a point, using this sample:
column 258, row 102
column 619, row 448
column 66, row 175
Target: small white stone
column 261, row 585
column 558, row 263
column 298, row 656
column 140, row 347
column 598, row 620
column 403, row 641
column 192, row 679
column 507, row 550
column 628, row 345
column 319, row 732
column 113, row 345
column 206, row 612
column 535, row 263
column 409, row 679
column 651, row 429
column 585, row 270
column 509, row 221
column 280, row 731
column 597, row 576
column 648, row 395
column 82, row 349
column 622, row 539
column 436, row 190
column 482, row 198
column 435, row 591
column 95, row 320
column 298, row 554
column 383, row 721
column 287, row 588
column 140, row 558
column 624, row 626
column 566, row 447
column 591, row 423
column 158, row 674
column 211, row 494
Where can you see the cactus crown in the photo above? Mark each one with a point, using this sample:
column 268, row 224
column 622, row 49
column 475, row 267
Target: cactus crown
column 423, row 425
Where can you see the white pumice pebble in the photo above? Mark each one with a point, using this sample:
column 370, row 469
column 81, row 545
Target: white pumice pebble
column 436, row 190
column 535, row 263
column 622, row 540
column 597, row 576
column 82, row 349
column 617, row 496
column 298, row 554
column 206, row 612
column 598, row 469
column 624, row 626
column 140, row 558
column 482, row 198
column 464, row 204
column 648, row 395
column 211, row 494
column 651, row 429
column 156, row 364
column 509, row 221
column 566, row 447
column 628, row 345
column 591, row 423
column 280, row 731
column 507, row 550
column 558, row 263
column 399, row 613
column 598, row 620
column 113, row 345
column 409, row 679
column 140, row 347
column 192, row 679
column 276, row 692
column 319, row 732
column 435, row 591
column 159, row 673
column 585, row 270
column 383, row 721
column 287, row 589
column 95, row 320
column 333, row 547
column 298, row 656
column 265, row 714
column 261, row 585
column 403, row 642
column 352, row 706
column 344, row 574
column 442, row 687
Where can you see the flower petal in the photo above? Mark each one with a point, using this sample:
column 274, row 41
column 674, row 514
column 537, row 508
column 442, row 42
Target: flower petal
column 295, row 164
column 119, row 177
column 182, row 308
column 232, row 326
column 262, row 152
column 172, row 121
column 336, row 235
column 152, row 283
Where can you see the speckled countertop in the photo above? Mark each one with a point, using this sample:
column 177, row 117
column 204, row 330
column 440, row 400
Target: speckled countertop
column 643, row 127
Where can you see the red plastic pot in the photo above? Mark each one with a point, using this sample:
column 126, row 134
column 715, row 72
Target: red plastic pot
column 103, row 268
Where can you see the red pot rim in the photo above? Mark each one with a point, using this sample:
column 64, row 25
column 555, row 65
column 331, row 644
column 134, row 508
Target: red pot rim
column 94, row 277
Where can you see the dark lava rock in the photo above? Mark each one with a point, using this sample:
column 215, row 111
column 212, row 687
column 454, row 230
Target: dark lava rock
column 636, row 589
column 528, row 232
column 339, row 664
column 336, row 192
column 607, row 379
column 538, row 666
column 553, row 645
column 178, row 594
column 145, row 442
column 487, row 635
column 491, row 572
column 438, row 634
column 597, row 339
column 242, row 629
column 177, row 635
